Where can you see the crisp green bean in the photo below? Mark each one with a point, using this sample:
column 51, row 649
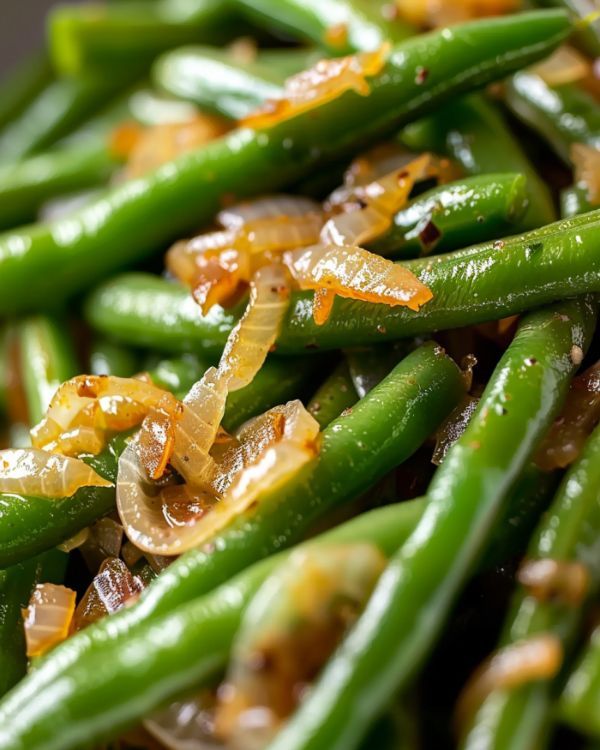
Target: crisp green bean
column 336, row 394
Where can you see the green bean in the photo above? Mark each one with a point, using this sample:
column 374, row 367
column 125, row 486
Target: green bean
column 562, row 115
column 22, row 85
column 16, row 585
column 47, row 359
column 469, row 286
column 55, row 113
column 340, row 26
column 451, row 216
column 518, row 718
column 215, row 80
column 178, row 375
column 395, row 417
column 334, row 396
column 417, row 591
column 368, row 367
column 587, row 30
column 57, row 260
column 99, row 38
column 579, row 704
column 108, row 358
column 473, row 132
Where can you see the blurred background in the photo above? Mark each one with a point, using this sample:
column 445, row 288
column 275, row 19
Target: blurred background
column 21, row 29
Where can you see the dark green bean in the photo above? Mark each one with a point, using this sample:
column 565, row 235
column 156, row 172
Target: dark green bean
column 55, row 261
column 462, row 213
column 474, row 133
column 108, row 358
column 336, row 394
column 22, row 85
column 415, row 594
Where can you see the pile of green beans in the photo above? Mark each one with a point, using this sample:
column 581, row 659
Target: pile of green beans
column 513, row 286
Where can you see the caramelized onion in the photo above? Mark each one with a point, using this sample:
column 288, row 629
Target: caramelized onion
column 105, row 538
column 356, row 273
column 112, row 588
column 537, row 658
column 437, row 13
column 254, row 335
column 267, row 207
column 580, row 414
column 289, row 630
column 327, row 80
column 41, row 474
column 322, row 305
column 567, row 580
column 48, row 617
column 453, row 427
column 586, row 164
column 163, row 143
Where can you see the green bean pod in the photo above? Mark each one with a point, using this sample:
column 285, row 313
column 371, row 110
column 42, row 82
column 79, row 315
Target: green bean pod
column 339, row 26
column 22, row 85
column 473, row 132
column 587, row 29
column 336, row 394
column 415, row 594
column 57, row 260
column 579, row 704
column 562, row 115
column 518, row 718
column 469, row 286
column 108, row 358
column 357, row 449
column 461, row 213
column 97, row 38
column 16, row 585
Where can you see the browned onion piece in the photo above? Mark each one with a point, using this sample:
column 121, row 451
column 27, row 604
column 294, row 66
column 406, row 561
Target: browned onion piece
column 112, row 588
column 267, row 207
column 105, row 539
column 74, row 542
column 38, row 473
column 566, row 580
column 357, row 274
column 537, row 658
column 322, row 305
column 453, row 427
column 255, row 333
column 186, row 725
column 290, row 629
column 48, row 617
column 580, row 414
column 437, row 13
column 566, row 65
column 586, row 164
column 327, row 80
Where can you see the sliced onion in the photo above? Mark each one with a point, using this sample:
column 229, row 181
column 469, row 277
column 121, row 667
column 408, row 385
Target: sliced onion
column 42, row 474
column 254, row 335
column 111, row 589
column 566, row 65
column 48, row 617
column 586, row 164
column 182, row 259
column 356, row 273
column 289, row 631
column 322, row 305
column 356, row 227
column 453, row 427
column 579, row 416
column 186, row 725
column 75, row 541
column 157, row 437
column 327, row 80
column 267, row 207
column 437, row 13
column 86, row 407
column 163, row 143
column 566, row 580
column 170, row 520
column 268, row 237
column 537, row 658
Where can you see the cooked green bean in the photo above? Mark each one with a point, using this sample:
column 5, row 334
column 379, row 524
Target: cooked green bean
column 336, row 394
column 139, row 217
column 415, row 594
column 22, row 85
column 108, row 358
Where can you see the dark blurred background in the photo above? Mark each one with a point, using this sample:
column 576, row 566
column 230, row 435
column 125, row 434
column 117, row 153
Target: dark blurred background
column 21, row 29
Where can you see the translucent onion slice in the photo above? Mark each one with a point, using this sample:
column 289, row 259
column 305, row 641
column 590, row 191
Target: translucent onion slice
column 453, row 427
column 566, row 580
column 186, row 725
column 327, row 80
column 41, row 474
column 586, row 164
column 322, row 305
column 105, row 539
column 48, row 617
column 537, row 658
column 580, row 414
column 163, row 143
column 182, row 258
column 289, row 630
column 267, row 207
column 170, row 520
column 566, row 65
column 157, row 436
column 92, row 405
column 274, row 236
column 357, row 227
column 111, row 589
column 356, row 273
column 256, row 332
